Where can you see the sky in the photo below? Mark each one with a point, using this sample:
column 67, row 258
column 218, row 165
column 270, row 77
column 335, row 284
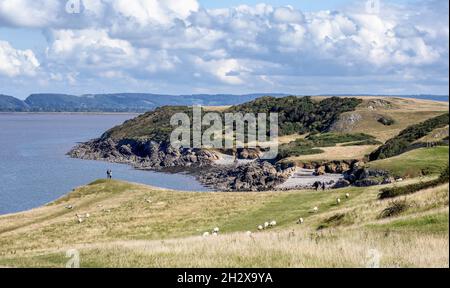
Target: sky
column 304, row 47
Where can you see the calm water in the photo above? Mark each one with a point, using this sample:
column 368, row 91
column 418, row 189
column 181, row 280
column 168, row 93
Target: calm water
column 34, row 169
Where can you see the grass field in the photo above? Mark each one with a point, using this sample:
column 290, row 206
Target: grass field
column 133, row 225
column 418, row 162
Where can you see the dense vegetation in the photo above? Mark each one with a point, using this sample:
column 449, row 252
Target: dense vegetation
column 296, row 115
column 412, row 188
column 309, row 145
column 405, row 139
column 153, row 125
column 300, row 114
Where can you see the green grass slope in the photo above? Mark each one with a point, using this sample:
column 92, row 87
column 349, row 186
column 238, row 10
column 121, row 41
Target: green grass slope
column 133, row 225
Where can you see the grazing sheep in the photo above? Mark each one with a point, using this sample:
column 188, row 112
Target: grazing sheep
column 260, row 227
column 249, row 233
column 300, row 221
column 273, row 223
column 215, row 234
column 216, row 230
column 88, row 215
column 347, row 195
column 315, row 209
column 80, row 220
column 206, row 234
column 70, row 207
column 338, row 201
column 399, row 179
column 266, row 225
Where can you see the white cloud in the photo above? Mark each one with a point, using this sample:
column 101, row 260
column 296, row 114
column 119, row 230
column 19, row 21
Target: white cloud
column 16, row 62
column 247, row 47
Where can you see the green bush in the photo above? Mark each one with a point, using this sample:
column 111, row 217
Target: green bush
column 395, row 208
column 387, row 121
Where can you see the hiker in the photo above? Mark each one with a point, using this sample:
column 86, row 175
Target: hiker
column 109, row 173
column 323, row 186
column 316, row 185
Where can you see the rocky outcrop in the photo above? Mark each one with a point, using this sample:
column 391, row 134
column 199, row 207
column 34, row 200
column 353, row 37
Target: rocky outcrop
column 142, row 154
column 363, row 177
column 346, row 122
column 255, row 176
column 330, row 167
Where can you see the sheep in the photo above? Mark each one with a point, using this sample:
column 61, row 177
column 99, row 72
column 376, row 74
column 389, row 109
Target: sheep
column 260, row 227
column 70, row 207
column 315, row 209
column 206, row 234
column 215, row 233
column 216, row 230
column 338, row 201
column 347, row 195
column 249, row 233
column 266, row 225
column 300, row 221
column 273, row 223
column 80, row 220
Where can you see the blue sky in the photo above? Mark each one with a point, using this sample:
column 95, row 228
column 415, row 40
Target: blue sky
column 162, row 46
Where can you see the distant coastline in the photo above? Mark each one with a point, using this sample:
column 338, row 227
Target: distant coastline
column 141, row 102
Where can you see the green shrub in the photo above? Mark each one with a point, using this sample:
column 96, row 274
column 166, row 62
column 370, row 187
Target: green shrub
column 387, row 121
column 395, row 208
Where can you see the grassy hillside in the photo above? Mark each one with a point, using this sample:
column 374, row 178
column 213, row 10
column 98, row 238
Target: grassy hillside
column 133, row 225
column 403, row 141
column 418, row 162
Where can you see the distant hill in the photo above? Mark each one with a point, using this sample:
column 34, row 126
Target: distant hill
column 135, row 102
column 11, row 104
column 123, row 102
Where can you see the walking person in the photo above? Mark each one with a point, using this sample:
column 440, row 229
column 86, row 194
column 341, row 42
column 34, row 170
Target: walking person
column 109, row 174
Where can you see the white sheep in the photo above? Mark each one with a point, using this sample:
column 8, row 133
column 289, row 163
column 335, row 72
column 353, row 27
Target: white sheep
column 316, row 209
column 70, row 207
column 347, row 195
column 300, row 221
column 206, row 234
column 80, row 220
column 260, row 227
column 266, row 224
column 338, row 201
column 249, row 233
column 88, row 215
column 273, row 223
column 215, row 234
column 216, row 230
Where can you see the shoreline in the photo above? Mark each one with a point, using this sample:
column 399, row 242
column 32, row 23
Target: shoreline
column 73, row 113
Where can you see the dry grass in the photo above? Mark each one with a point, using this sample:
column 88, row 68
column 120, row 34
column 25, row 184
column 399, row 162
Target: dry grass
column 165, row 232
column 337, row 153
